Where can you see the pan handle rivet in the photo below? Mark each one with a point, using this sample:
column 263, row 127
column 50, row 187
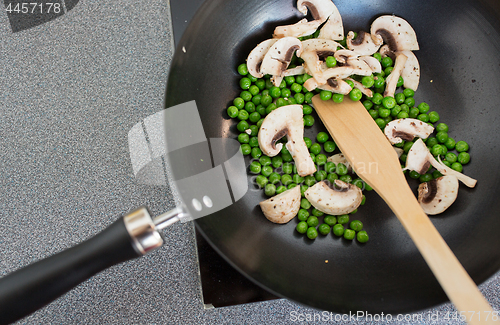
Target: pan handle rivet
column 208, row 201
column 196, row 204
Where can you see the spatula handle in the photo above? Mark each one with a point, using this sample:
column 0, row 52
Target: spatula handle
column 457, row 284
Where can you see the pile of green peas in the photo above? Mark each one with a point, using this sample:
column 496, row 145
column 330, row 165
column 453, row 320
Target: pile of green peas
column 259, row 97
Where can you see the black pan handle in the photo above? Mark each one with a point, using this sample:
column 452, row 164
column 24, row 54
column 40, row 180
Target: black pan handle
column 28, row 289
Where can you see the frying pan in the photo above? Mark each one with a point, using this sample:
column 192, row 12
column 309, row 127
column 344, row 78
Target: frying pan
column 459, row 41
column 459, row 47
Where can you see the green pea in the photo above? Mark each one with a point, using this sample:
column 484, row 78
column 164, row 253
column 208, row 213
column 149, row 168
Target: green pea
column 287, row 157
column 287, row 168
column 377, row 99
column 304, row 204
column 256, row 152
column 407, row 146
column 431, row 142
column 303, row 214
column 362, row 236
column 338, row 98
column 442, row 136
column 343, row 219
column 409, row 92
column 363, row 200
column 341, row 169
column 329, row 146
column 289, row 80
column 303, row 189
column 324, row 229
column 302, row 227
column 296, row 88
column 373, row 113
column 312, row 233
column 423, row 107
column 261, row 84
column 242, row 69
column 338, row 230
column 255, row 167
column 276, row 161
column 442, row 127
column 243, row 115
column 389, row 102
column 270, row 189
column 355, row 94
column 280, row 189
column 320, row 175
column 267, row 171
column 425, row 178
column 297, row 179
column 377, row 56
column 423, row 117
column 299, row 98
column 308, row 97
column 260, row 109
column 252, row 78
column 253, row 142
column 325, row 95
column 275, row 92
column 405, row 108
column 463, row 158
column 332, row 177
column 330, row 167
column 436, row 174
column 457, row 166
column 308, row 142
column 306, row 109
column 380, row 122
column 246, row 95
column 254, row 90
column 400, row 82
column 403, row 114
column 261, row 181
column 451, row 157
column 245, row 149
column 317, row 213
column 368, row 187
column 400, row 98
column 367, row 81
column 462, row 146
column 330, row 220
column 356, row 225
column 413, row 112
column 330, row 62
column 280, row 102
column 286, row 179
column 349, row 234
column 387, row 62
column 315, row 148
column 368, row 104
column 285, row 93
column 433, row 117
column 321, row 159
column 308, row 120
column 243, row 138
column 254, row 117
column 274, row 178
column 266, row 100
column 384, row 112
column 299, row 79
column 379, row 83
column 358, row 182
column 346, row 178
column 322, row 137
column 350, row 83
column 414, row 174
column 410, row 101
column 232, row 111
column 309, row 180
column 450, row 143
column 245, row 83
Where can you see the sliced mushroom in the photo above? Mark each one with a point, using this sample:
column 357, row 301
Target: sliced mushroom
column 282, row 207
column 300, row 29
column 286, row 121
column 279, row 56
column 342, row 56
column 294, row 71
column 340, row 159
column 411, row 71
column 372, row 62
column 364, row 43
column 334, row 199
column 352, row 66
column 396, row 32
column 333, row 29
column 359, row 85
column 312, row 52
column 420, row 159
column 393, row 78
column 407, row 129
column 320, row 9
column 385, row 51
column 337, row 86
column 254, row 59
column 438, row 194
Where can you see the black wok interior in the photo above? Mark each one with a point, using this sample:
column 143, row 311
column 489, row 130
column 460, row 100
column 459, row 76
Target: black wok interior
column 460, row 79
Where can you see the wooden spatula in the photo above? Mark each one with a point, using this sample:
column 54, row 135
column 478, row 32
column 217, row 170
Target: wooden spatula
column 376, row 162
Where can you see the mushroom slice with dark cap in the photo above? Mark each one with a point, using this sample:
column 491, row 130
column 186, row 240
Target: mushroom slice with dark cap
column 396, row 32
column 283, row 207
column 300, row 29
column 372, row 62
column 336, row 85
column 334, row 199
column 254, row 59
column 312, row 52
column 286, row 121
column 420, row 159
column 320, row 9
column 364, row 43
column 407, row 129
column 279, row 55
column 438, row 194
column 333, row 29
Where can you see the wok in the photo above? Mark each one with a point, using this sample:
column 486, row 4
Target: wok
column 459, row 43
column 459, row 47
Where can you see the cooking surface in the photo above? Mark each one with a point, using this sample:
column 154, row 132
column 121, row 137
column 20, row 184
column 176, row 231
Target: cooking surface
column 70, row 90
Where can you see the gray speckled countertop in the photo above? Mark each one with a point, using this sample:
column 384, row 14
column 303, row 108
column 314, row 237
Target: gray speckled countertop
column 70, row 90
